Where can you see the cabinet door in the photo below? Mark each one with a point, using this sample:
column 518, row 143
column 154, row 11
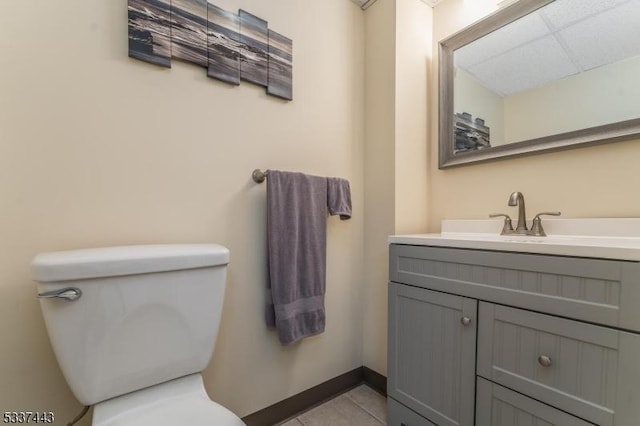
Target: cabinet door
column 432, row 348
column 498, row 406
column 399, row 415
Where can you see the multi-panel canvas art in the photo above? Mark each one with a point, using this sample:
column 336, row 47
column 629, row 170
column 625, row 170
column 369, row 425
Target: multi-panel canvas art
column 224, row 45
column 150, row 31
column 233, row 47
column 189, row 31
column 280, row 66
column 254, row 62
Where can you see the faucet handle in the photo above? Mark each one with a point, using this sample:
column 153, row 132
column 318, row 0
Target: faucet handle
column 536, row 226
column 507, row 228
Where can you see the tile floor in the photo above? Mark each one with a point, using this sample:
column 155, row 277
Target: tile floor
column 361, row 406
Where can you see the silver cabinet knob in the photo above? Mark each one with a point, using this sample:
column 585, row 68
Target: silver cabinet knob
column 544, row 361
column 465, row 321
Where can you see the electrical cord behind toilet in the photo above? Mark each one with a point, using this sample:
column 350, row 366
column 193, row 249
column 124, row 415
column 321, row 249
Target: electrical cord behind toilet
column 79, row 416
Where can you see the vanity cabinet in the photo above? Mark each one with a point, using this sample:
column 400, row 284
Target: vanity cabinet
column 503, row 338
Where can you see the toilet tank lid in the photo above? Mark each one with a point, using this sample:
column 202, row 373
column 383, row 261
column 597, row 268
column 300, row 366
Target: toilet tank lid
column 125, row 260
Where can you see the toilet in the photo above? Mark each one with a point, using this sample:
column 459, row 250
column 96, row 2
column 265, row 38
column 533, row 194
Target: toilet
column 133, row 327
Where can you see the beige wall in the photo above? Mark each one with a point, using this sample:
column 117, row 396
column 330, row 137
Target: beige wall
column 472, row 97
column 587, row 182
column 97, row 149
column 379, row 176
column 398, row 38
column 596, row 97
column 412, row 59
column 603, row 95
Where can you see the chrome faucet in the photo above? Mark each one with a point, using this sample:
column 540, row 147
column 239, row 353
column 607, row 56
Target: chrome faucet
column 517, row 199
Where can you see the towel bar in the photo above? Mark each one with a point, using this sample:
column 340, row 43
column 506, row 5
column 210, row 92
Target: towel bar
column 259, row 176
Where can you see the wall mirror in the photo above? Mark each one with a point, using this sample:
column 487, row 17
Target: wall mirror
column 540, row 75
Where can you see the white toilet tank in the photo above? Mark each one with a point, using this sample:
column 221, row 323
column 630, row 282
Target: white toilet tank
column 146, row 314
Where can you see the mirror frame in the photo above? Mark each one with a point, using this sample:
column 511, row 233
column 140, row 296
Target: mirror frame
column 613, row 132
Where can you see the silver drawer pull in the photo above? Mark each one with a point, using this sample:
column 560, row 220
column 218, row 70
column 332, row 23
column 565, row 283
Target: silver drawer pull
column 69, row 293
column 465, row 321
column 544, row 361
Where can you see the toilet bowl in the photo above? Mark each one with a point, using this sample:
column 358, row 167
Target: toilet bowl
column 132, row 328
column 182, row 401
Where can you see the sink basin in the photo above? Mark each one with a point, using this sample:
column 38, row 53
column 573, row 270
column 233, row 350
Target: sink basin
column 594, row 238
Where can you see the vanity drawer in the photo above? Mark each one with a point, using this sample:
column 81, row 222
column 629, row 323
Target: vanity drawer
column 399, row 415
column 584, row 369
column 595, row 290
column 499, row 406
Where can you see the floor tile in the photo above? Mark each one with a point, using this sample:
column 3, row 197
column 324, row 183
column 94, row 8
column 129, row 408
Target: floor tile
column 370, row 401
column 294, row 422
column 340, row 411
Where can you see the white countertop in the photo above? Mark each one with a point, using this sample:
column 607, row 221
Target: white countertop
column 606, row 238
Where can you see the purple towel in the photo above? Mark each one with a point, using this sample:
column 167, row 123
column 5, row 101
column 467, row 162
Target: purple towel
column 339, row 197
column 297, row 247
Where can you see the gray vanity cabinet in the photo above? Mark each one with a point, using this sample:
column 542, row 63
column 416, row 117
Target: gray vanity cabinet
column 432, row 337
column 512, row 339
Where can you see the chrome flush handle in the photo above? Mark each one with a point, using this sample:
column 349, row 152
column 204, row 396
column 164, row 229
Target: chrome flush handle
column 69, row 293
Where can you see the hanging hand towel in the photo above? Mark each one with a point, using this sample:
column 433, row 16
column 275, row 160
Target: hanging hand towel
column 339, row 197
column 296, row 234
